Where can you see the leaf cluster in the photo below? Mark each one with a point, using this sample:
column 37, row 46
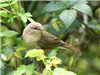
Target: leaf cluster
column 67, row 12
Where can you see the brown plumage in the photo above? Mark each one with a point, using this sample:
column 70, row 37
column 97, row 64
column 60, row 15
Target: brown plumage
column 35, row 36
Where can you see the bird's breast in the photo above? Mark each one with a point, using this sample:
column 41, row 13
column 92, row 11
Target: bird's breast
column 31, row 41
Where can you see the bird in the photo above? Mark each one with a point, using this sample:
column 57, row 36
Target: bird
column 35, row 36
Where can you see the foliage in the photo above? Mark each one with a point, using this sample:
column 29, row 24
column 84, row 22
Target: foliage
column 68, row 16
column 61, row 18
column 52, row 61
column 14, row 13
column 8, row 33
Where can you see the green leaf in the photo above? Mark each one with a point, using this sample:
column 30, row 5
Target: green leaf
column 20, row 70
column 11, row 17
column 68, row 17
column 55, row 26
column 45, row 71
column 29, row 73
column 61, row 71
column 84, row 8
column 18, row 55
column 2, row 72
column 52, row 57
column 74, row 27
column 6, row 3
column 61, row 23
column 53, row 53
column 72, row 2
column 59, row 11
column 6, row 50
column 54, row 6
column 2, row 66
column 4, row 57
column 54, row 20
column 9, row 56
column 8, row 33
column 30, row 67
column 28, row 14
column 10, row 20
column 40, row 57
column 48, row 67
column 36, row 73
column 56, row 61
column 37, row 52
column 31, row 20
column 65, row 1
column 61, row 30
column 3, row 13
column 30, row 53
column 70, row 73
column 24, row 18
column 11, row 61
column 34, row 53
column 2, row 1
column 21, row 48
column 83, row 1
column 13, row 2
column 22, row 11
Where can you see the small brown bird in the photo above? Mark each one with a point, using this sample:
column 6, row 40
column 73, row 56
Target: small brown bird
column 35, row 36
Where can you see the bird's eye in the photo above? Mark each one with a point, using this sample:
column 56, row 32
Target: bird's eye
column 35, row 28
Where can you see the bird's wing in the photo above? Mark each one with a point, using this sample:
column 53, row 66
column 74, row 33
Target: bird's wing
column 48, row 41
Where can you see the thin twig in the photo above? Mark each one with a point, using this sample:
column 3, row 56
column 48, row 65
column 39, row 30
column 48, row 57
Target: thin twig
column 89, row 29
column 40, row 67
column 10, row 4
column 50, row 28
column 6, row 10
column 12, row 8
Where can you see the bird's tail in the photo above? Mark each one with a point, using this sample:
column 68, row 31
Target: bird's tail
column 70, row 47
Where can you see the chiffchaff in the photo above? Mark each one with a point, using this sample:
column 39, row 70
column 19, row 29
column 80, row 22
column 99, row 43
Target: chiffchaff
column 35, row 36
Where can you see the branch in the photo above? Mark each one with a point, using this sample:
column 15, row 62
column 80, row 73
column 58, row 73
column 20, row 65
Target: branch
column 6, row 10
column 88, row 29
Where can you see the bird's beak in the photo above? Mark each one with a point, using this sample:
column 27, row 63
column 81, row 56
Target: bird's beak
column 42, row 29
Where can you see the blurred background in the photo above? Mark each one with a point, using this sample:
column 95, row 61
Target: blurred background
column 82, row 38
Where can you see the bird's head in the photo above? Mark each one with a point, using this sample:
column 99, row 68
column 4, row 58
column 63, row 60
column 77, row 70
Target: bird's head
column 34, row 28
